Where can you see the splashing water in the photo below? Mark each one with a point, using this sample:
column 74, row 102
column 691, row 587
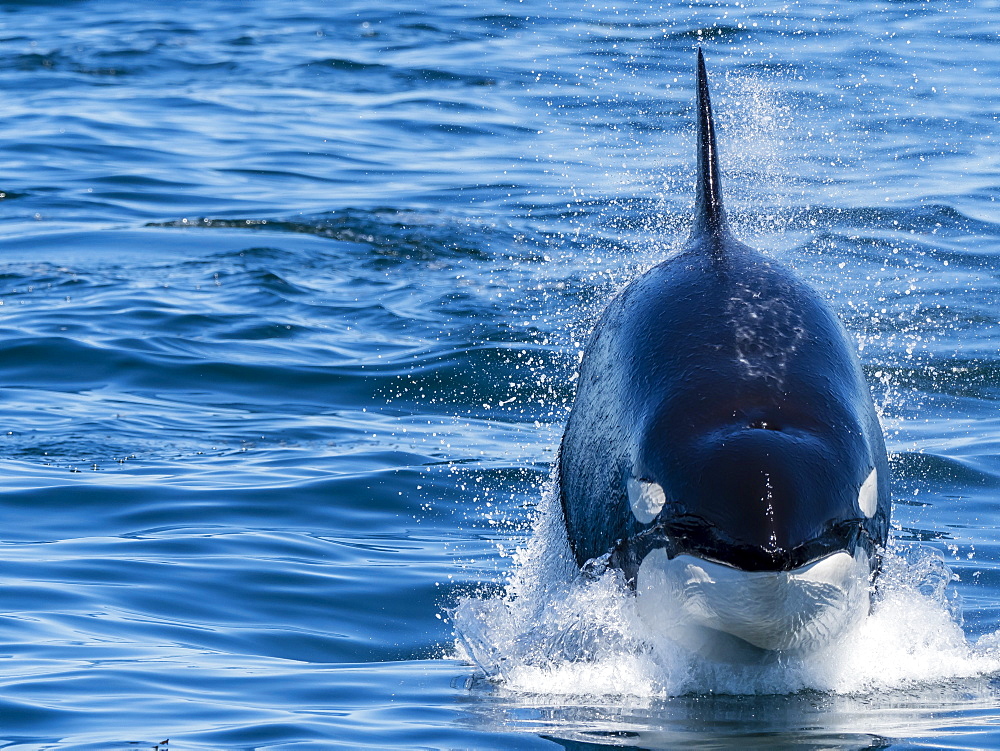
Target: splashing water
column 554, row 630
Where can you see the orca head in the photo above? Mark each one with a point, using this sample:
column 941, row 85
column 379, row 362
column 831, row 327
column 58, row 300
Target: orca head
column 759, row 494
column 755, row 541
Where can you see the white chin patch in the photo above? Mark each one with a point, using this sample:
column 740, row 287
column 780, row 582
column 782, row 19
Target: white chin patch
column 868, row 495
column 743, row 616
column 645, row 498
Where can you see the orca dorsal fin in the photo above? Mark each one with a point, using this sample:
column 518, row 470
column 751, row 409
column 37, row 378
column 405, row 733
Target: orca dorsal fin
column 710, row 215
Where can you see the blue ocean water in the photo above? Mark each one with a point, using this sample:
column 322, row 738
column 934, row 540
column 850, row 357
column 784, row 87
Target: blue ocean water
column 291, row 299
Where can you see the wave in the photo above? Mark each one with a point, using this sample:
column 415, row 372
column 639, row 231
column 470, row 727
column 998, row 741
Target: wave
column 554, row 632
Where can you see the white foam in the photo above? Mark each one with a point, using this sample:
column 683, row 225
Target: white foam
column 555, row 631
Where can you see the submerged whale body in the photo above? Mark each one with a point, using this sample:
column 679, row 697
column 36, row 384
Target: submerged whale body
column 723, row 449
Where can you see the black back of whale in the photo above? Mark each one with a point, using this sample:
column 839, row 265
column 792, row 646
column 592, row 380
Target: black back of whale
column 728, row 381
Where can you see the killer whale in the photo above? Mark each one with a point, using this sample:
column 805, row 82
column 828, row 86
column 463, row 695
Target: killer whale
column 723, row 450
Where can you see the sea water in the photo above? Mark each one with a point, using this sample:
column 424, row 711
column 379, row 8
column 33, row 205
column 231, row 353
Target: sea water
column 293, row 295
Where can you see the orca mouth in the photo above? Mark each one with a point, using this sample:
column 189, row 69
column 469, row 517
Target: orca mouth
column 692, row 536
column 751, row 616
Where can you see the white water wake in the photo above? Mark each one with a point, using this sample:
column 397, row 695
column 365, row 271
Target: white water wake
column 555, row 631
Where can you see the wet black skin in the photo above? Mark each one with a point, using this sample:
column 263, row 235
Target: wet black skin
column 727, row 380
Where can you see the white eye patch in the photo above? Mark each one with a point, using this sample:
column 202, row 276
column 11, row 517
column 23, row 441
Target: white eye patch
column 645, row 498
column 868, row 495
